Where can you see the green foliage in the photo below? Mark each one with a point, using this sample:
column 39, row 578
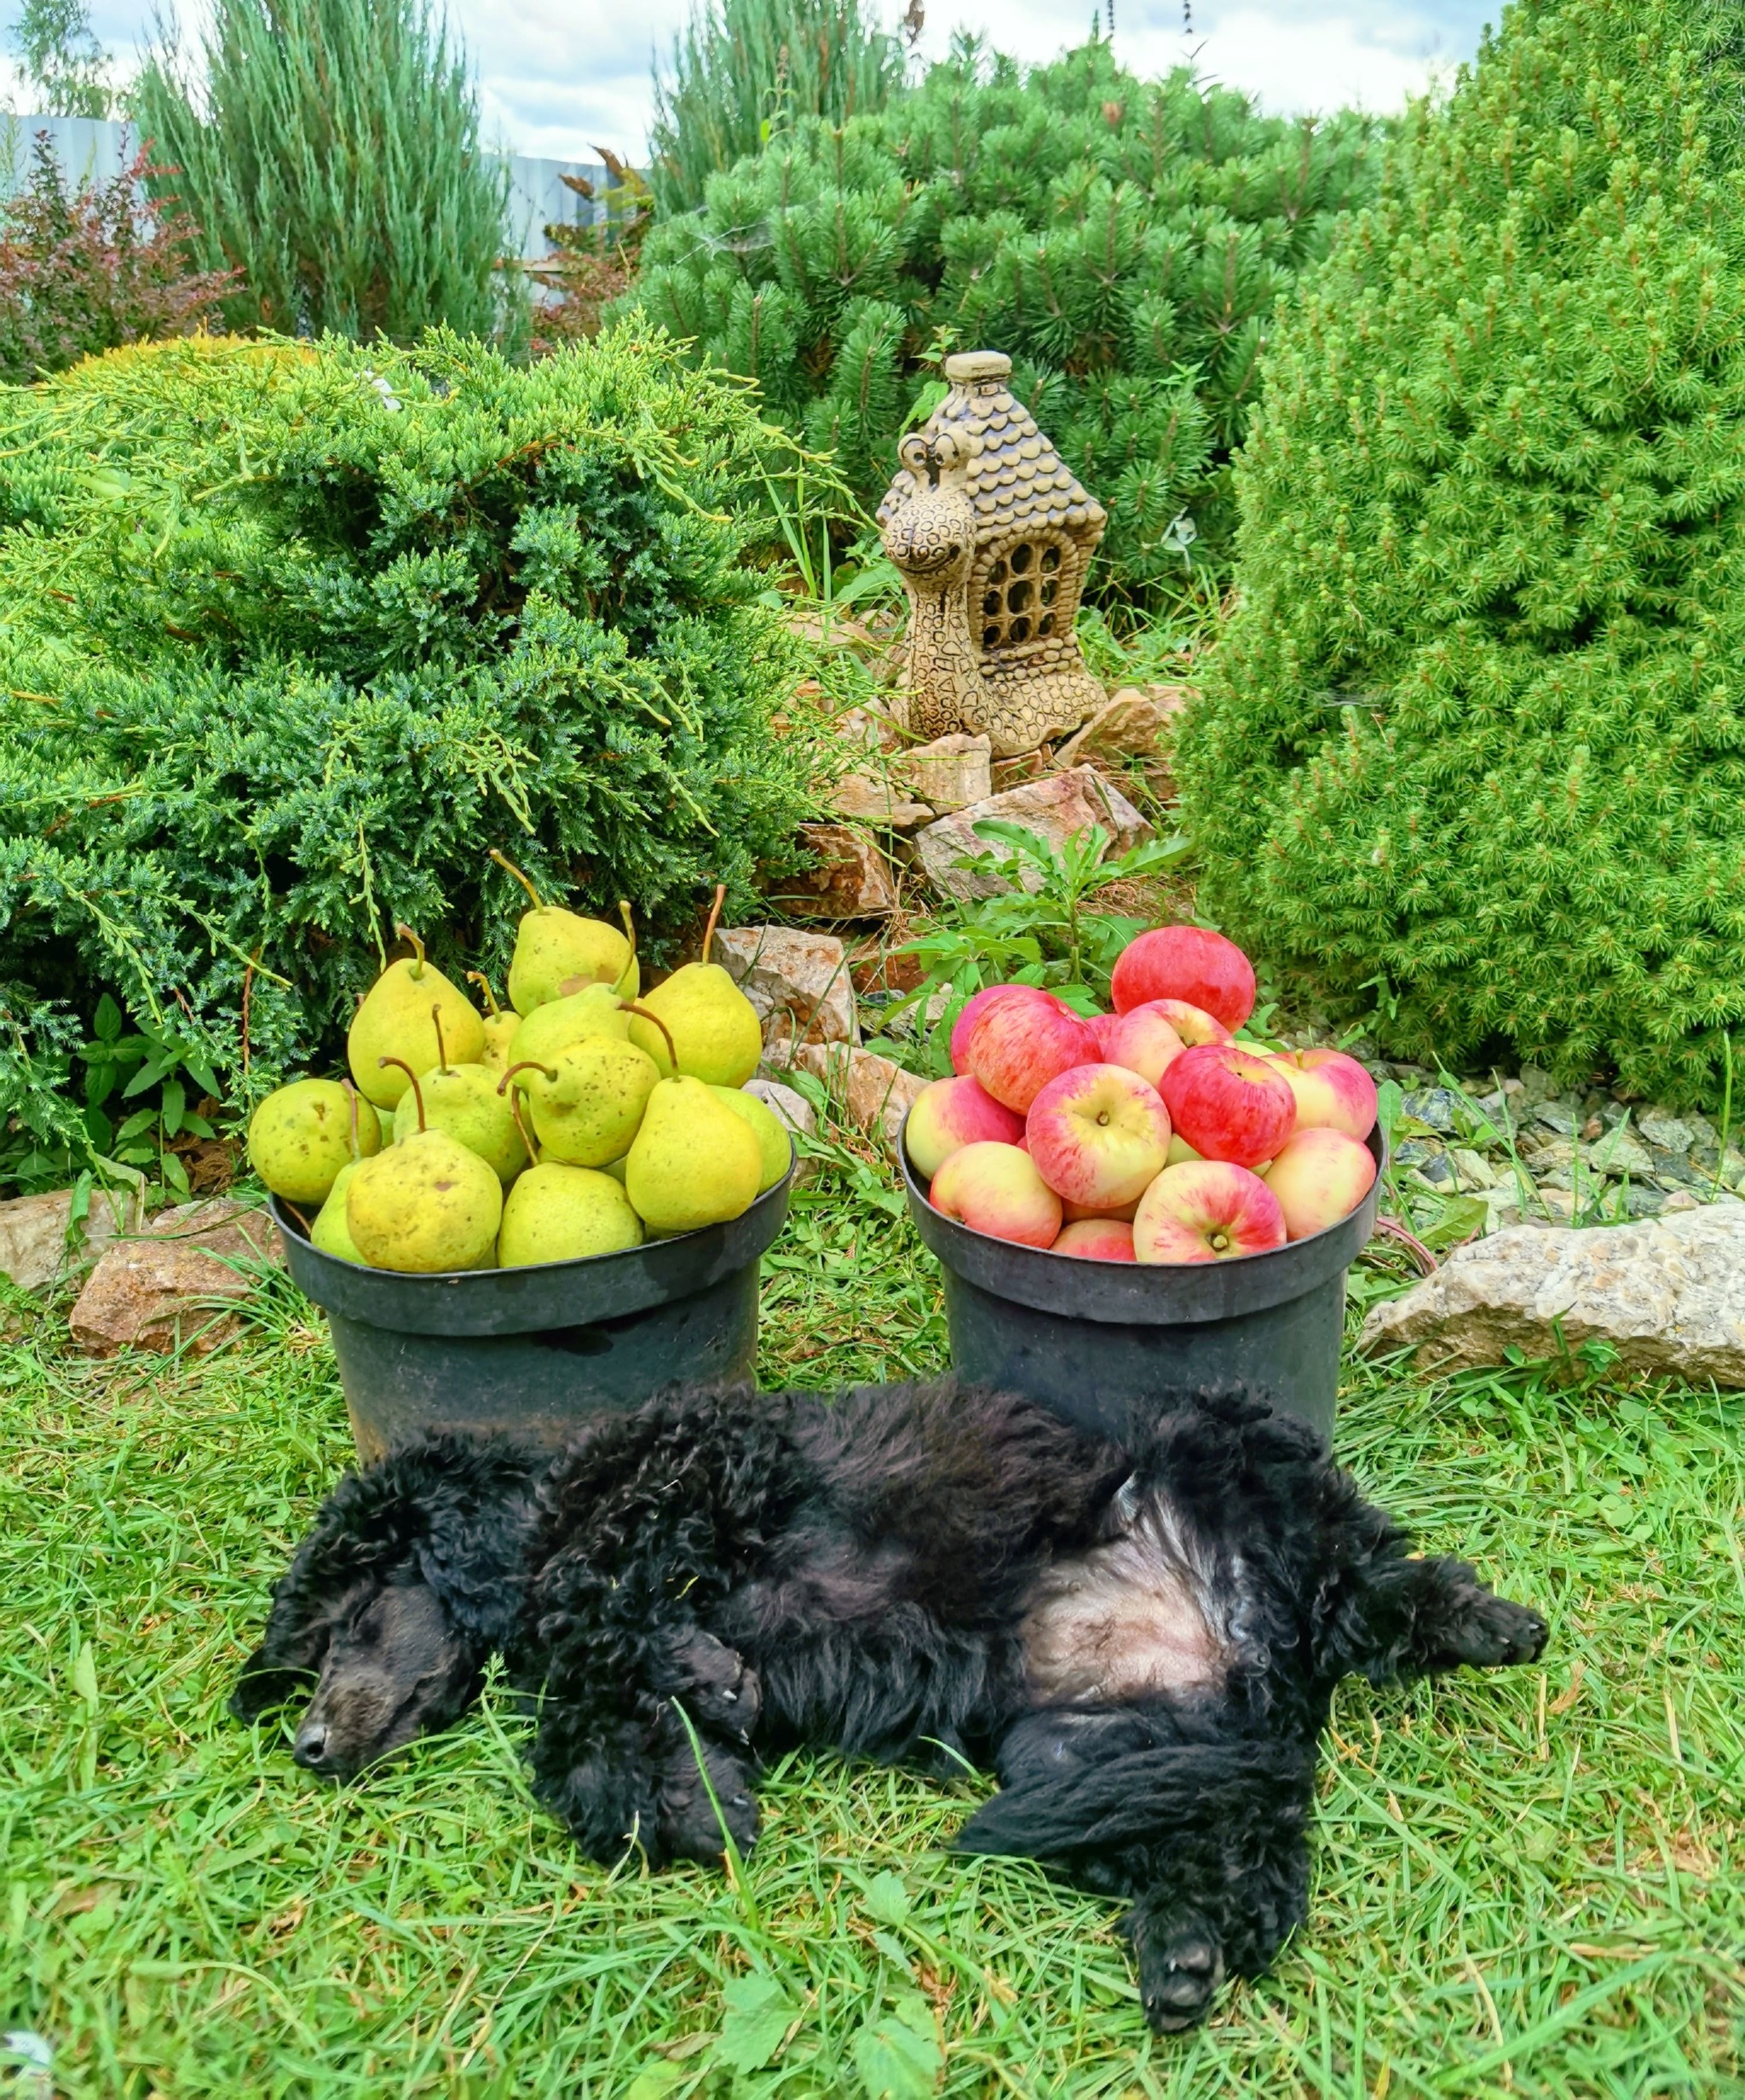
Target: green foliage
column 745, row 70
column 330, row 151
column 297, row 633
column 1473, row 746
column 61, row 59
column 1124, row 241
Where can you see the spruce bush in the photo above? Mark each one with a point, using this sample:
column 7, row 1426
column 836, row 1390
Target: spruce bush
column 1471, row 751
column 296, row 634
column 1124, row 241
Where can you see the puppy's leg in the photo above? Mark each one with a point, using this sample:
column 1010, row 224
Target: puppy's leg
column 693, row 1825
column 1397, row 1618
column 1205, row 1828
column 715, row 1685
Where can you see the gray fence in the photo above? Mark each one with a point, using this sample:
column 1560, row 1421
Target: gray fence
column 87, row 146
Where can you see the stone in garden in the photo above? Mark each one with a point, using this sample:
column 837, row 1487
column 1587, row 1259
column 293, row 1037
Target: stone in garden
column 1536, row 1084
column 852, row 878
column 1136, row 723
column 1668, row 1296
column 991, row 534
column 33, row 1249
column 1058, row 809
column 867, row 800
column 1432, row 1106
column 1474, row 1170
column 1619, row 1153
column 1557, row 1115
column 950, row 773
column 153, row 1290
column 875, row 1094
column 1666, row 1133
column 797, row 981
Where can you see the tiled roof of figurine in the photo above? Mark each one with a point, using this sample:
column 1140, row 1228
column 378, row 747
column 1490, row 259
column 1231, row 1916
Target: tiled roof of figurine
column 1014, row 478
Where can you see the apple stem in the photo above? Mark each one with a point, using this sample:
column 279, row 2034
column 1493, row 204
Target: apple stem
column 643, row 1014
column 504, row 862
column 417, row 1091
column 405, row 932
column 714, row 914
column 527, row 1064
column 478, row 978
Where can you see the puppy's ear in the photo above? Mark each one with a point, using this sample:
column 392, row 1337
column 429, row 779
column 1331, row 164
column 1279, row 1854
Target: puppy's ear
column 299, row 1627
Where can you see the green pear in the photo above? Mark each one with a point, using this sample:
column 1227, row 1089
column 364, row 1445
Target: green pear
column 596, row 1009
column 767, row 1127
column 714, row 1025
column 553, row 946
column 329, row 1231
column 587, row 1101
column 394, row 1022
column 426, row 1206
column 500, row 1024
column 557, row 1212
column 694, row 1162
column 300, row 1137
column 464, row 1100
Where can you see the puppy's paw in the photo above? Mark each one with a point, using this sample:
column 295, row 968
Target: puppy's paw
column 1181, row 1966
column 716, row 1686
column 690, row 1828
column 1489, row 1632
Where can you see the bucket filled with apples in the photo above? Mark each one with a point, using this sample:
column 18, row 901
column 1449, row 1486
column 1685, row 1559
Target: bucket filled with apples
column 1133, row 1205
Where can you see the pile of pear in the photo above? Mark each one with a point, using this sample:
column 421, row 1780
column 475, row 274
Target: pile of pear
column 577, row 1122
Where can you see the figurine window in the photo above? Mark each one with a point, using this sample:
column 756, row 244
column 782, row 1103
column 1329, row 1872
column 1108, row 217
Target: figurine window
column 1020, row 592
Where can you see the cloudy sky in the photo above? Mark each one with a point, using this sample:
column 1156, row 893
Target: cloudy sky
column 555, row 75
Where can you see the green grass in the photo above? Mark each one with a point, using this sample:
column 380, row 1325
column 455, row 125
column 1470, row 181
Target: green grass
column 1529, row 1883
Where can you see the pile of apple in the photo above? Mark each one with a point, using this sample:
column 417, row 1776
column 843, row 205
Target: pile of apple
column 1152, row 1134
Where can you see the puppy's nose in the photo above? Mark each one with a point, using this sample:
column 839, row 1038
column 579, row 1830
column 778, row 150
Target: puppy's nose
column 310, row 1748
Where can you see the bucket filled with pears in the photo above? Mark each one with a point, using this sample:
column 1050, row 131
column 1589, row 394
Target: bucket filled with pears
column 516, row 1218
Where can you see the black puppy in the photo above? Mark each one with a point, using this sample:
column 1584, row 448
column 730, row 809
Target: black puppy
column 413, row 1575
column 1145, row 1638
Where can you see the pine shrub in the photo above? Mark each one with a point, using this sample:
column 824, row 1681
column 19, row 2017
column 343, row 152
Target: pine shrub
column 1472, row 749
column 330, row 151
column 296, row 634
column 1124, row 241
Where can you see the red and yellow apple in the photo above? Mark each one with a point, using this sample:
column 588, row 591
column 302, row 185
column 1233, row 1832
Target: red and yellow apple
column 951, row 1114
column 1079, row 1213
column 1099, row 1135
column 1097, row 1239
column 1321, row 1177
column 1333, row 1091
column 1022, row 1042
column 995, row 1189
column 1144, row 1041
column 1206, row 1210
column 974, row 1007
column 1189, row 962
column 1193, row 1024
column 1229, row 1104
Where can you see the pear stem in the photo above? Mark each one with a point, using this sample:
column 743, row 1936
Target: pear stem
column 514, row 1109
column 441, row 1048
column 714, row 914
column 351, row 1096
column 418, row 1091
column 298, row 1215
column 527, row 1064
column 478, row 978
column 630, row 935
column 642, row 1013
column 503, row 862
column 405, row 932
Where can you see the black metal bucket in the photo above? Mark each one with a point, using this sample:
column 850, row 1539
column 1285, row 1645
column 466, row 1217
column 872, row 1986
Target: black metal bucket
column 1102, row 1342
column 538, row 1350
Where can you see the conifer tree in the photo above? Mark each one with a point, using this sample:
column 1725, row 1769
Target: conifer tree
column 1124, row 241
column 1472, row 751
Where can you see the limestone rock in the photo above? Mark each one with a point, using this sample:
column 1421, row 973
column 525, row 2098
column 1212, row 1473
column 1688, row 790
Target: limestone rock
column 1057, row 808
column 950, row 773
column 33, row 1249
column 1137, row 722
column 875, row 1093
column 797, row 981
column 155, row 1291
column 1668, row 1295
column 869, row 800
column 852, row 878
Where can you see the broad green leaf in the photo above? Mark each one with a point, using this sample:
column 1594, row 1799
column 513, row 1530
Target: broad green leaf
column 887, row 1898
column 759, row 2012
column 898, row 2055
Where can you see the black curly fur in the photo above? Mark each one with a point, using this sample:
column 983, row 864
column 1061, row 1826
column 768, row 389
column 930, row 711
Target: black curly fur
column 414, row 1572
column 858, row 1575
